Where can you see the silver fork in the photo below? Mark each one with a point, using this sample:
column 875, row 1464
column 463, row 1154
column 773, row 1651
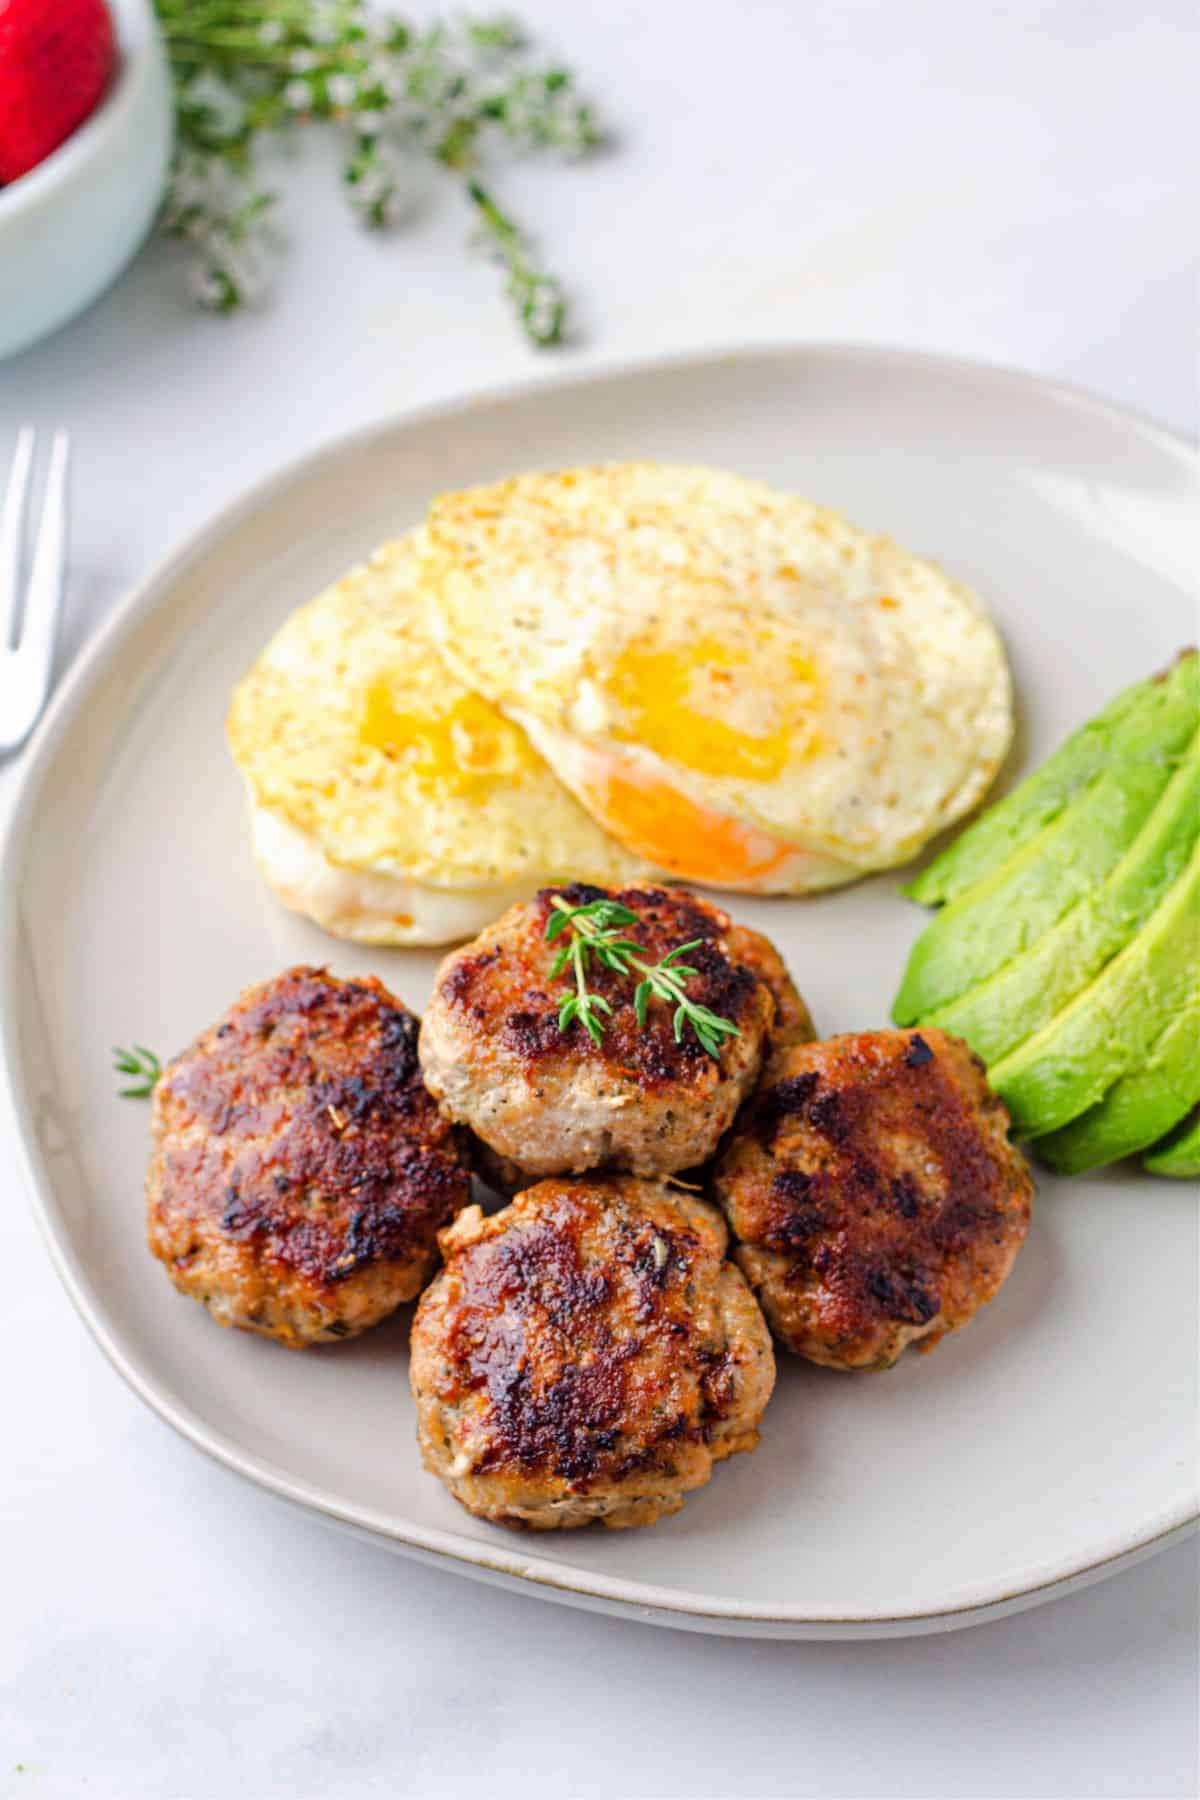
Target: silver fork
column 29, row 613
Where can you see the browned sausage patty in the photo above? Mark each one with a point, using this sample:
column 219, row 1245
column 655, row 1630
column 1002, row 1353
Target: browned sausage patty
column 300, row 1171
column 874, row 1193
column 587, row 1354
column 553, row 1101
column 793, row 1021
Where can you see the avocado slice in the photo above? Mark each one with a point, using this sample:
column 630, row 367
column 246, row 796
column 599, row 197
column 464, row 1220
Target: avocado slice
column 1109, row 1027
column 998, row 1014
column 1039, row 799
column 1140, row 1107
column 1007, row 910
column 1180, row 1155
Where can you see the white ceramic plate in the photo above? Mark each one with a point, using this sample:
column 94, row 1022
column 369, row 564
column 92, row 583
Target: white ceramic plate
column 1052, row 1440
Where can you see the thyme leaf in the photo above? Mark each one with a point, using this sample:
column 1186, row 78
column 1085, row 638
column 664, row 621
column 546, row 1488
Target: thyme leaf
column 596, row 937
column 139, row 1067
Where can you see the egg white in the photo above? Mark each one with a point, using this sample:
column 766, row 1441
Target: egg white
column 370, row 906
column 388, row 802
column 713, row 666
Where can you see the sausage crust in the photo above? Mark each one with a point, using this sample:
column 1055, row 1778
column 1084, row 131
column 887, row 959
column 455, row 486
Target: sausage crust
column 792, row 1023
column 300, row 1172
column 553, row 1101
column 587, row 1354
column 874, row 1194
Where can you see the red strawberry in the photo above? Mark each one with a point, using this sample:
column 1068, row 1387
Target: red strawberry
column 55, row 60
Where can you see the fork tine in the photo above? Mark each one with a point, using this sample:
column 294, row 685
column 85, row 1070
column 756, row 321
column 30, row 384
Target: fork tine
column 12, row 533
column 47, row 579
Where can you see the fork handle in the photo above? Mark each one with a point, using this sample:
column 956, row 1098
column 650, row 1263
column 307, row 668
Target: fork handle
column 47, row 579
column 12, row 534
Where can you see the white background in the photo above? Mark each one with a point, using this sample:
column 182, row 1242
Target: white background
column 1011, row 181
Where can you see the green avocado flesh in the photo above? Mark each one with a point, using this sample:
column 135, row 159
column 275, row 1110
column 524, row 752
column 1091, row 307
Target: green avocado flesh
column 1022, row 897
column 1139, row 1108
column 1109, row 1029
column 1181, row 1155
column 1038, row 801
column 997, row 1015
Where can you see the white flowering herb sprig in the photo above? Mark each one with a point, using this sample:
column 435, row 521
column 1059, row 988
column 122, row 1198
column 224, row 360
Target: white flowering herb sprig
column 248, row 69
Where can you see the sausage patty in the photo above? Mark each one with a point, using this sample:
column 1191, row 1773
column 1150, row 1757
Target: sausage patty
column 300, row 1172
column 874, row 1194
column 648, row 1097
column 587, row 1354
column 792, row 1025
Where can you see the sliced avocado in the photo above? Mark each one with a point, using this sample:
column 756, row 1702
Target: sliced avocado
column 1036, row 802
column 1109, row 1027
column 1140, row 1107
column 1007, row 910
column 1180, row 1155
column 998, row 1014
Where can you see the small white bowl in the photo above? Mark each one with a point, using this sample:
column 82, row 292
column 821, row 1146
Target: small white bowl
column 68, row 228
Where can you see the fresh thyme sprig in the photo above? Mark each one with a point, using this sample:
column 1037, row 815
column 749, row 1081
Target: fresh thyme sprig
column 537, row 297
column 140, row 1067
column 245, row 70
column 595, row 933
column 596, row 930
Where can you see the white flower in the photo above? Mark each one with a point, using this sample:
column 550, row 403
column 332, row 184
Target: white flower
column 207, row 93
column 298, row 95
column 371, row 188
column 543, row 307
column 303, row 62
column 270, row 32
column 381, row 72
column 570, row 128
column 206, row 285
column 342, row 90
column 375, row 186
column 369, row 122
column 203, row 189
column 246, row 266
column 325, row 28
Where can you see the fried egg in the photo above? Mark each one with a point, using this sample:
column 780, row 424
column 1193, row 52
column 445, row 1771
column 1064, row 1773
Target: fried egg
column 389, row 802
column 742, row 687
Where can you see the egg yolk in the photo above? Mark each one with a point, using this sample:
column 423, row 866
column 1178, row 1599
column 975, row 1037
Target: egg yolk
column 663, row 825
column 468, row 743
column 673, row 701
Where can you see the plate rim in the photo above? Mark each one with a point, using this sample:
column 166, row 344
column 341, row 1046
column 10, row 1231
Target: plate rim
column 526, row 1571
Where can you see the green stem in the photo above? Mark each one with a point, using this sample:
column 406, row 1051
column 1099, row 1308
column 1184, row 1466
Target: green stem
column 581, row 986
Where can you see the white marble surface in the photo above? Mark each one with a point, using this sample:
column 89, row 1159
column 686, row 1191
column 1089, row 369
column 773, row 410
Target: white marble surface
column 1009, row 181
